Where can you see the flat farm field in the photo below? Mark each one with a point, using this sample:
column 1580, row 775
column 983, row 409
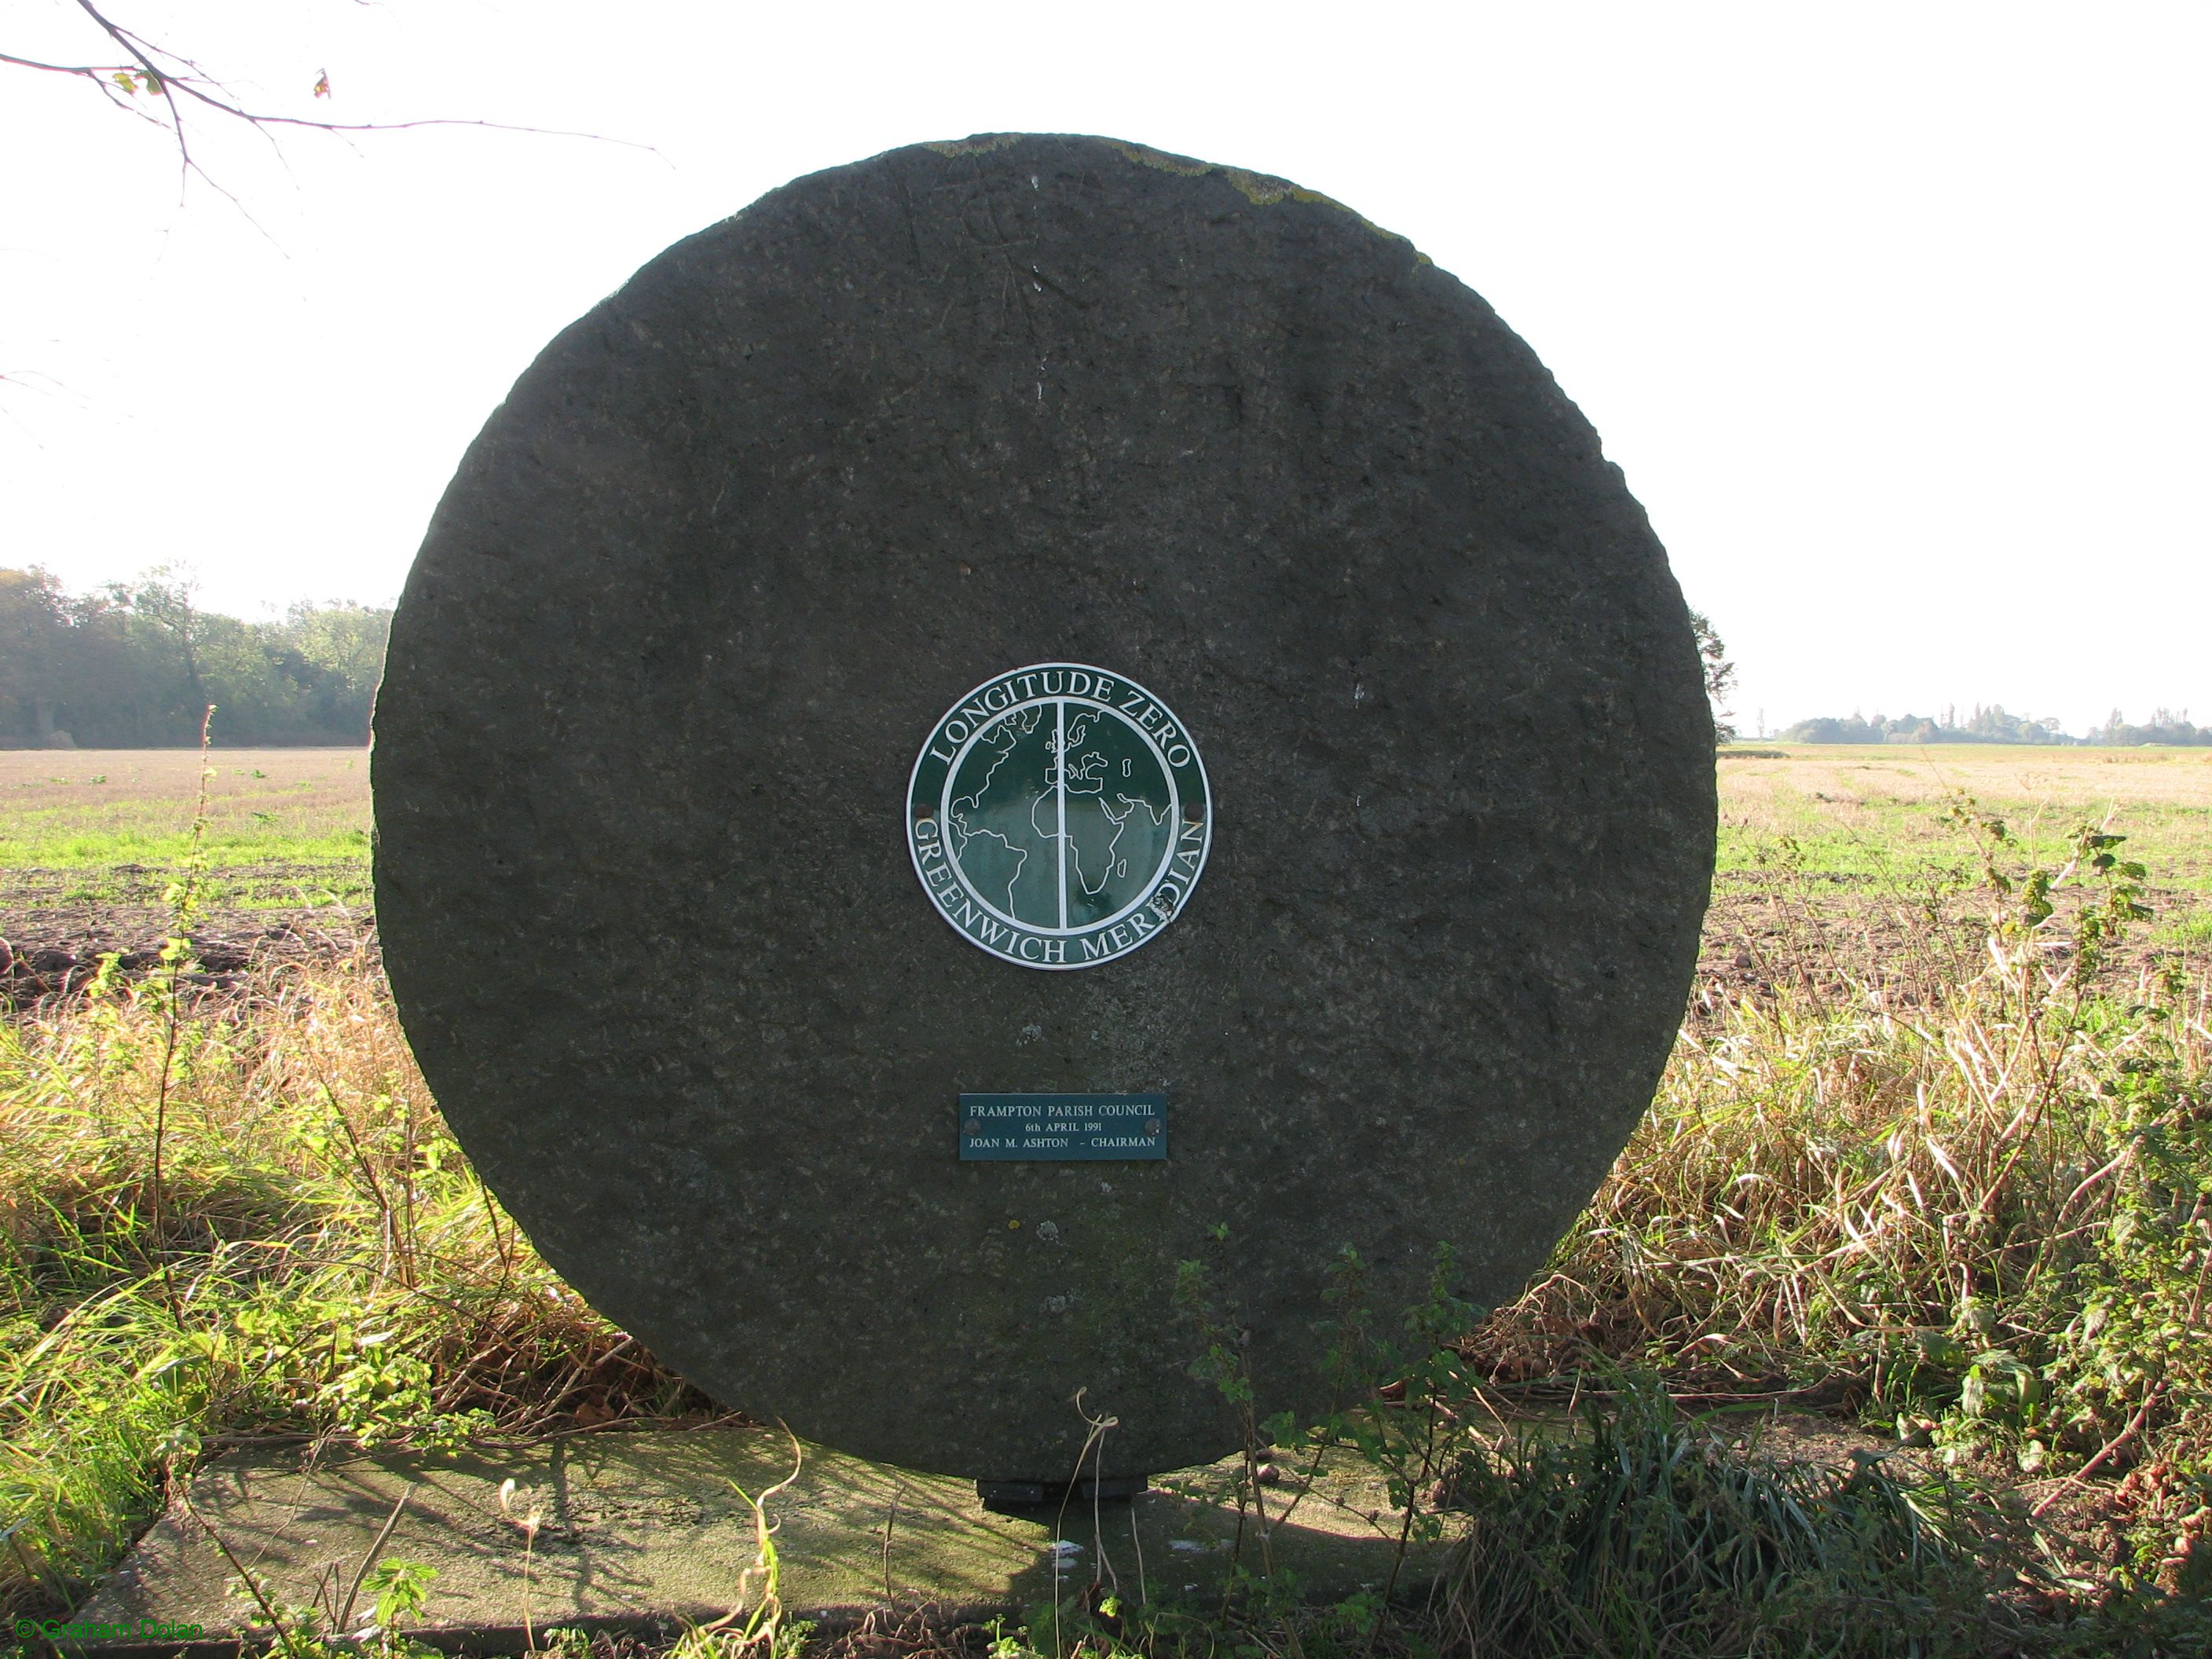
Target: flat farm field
column 1883, row 812
column 90, row 839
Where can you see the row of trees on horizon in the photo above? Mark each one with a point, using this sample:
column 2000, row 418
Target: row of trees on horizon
column 134, row 665
column 1994, row 725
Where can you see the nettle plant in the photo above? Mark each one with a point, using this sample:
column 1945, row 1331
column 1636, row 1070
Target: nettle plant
column 2087, row 1317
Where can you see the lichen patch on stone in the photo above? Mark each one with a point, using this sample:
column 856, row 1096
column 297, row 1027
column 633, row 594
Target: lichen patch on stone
column 982, row 143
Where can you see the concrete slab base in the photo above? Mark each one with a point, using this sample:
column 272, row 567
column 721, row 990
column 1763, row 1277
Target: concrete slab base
column 635, row 1530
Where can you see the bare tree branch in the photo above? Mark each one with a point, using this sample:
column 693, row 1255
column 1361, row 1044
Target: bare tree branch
column 95, row 70
column 154, row 70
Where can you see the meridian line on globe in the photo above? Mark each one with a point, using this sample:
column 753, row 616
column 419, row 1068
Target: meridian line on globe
column 1001, row 736
column 1060, row 714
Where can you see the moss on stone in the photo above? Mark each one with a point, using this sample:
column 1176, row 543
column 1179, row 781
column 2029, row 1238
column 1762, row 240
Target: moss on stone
column 980, row 143
column 1261, row 189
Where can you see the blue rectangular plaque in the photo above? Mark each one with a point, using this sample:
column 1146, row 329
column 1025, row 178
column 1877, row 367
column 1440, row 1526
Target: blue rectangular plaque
column 1071, row 1128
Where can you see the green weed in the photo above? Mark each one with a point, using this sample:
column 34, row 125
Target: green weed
column 2190, row 930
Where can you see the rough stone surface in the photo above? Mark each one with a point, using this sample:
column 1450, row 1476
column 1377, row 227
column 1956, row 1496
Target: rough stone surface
column 741, row 534
column 636, row 1528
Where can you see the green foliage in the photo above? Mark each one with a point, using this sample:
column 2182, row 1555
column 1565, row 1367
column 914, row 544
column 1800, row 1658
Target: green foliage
column 1972, row 1197
column 322, row 1260
column 135, row 664
column 1719, row 674
column 401, row 1589
column 1399, row 1392
column 1645, row 1534
column 1994, row 725
column 2164, row 726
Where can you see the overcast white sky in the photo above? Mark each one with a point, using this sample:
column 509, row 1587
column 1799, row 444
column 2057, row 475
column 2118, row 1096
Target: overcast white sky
column 1895, row 315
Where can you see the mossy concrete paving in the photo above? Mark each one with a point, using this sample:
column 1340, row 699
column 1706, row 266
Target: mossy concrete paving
column 636, row 1530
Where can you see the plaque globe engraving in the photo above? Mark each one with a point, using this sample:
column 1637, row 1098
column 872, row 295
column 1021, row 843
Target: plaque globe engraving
column 1058, row 816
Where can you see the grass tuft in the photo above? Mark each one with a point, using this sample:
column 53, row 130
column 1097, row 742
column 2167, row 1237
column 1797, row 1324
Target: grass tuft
column 1650, row 1534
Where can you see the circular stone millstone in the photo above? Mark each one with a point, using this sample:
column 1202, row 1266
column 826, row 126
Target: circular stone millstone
column 739, row 538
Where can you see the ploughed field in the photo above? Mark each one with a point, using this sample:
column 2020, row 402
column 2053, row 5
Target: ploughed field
column 91, row 841
column 1859, row 840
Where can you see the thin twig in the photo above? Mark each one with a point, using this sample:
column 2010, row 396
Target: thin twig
column 1413, row 1508
column 2110, row 1449
column 174, row 951
column 252, row 1584
column 368, row 1558
column 890, row 1521
column 167, row 73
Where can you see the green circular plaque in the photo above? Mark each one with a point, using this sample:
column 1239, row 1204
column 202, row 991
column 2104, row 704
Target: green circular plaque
column 1058, row 816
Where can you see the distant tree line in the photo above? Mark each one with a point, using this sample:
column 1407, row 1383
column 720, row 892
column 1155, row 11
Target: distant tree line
column 1994, row 725
column 133, row 664
column 2164, row 726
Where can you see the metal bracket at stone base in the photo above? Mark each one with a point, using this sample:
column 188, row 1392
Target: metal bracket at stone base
column 640, row 1532
column 1023, row 1497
